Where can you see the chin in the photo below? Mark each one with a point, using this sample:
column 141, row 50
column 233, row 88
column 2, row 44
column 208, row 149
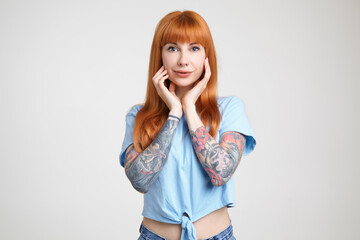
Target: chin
column 183, row 82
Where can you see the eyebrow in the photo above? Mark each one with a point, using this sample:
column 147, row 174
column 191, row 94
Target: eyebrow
column 194, row 43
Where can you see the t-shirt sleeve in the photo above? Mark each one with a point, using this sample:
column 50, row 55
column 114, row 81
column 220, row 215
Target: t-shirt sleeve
column 128, row 138
column 234, row 119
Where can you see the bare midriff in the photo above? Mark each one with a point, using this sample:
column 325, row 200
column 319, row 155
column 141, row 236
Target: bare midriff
column 206, row 227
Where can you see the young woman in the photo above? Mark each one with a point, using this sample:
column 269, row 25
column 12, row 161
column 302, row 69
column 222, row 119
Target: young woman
column 183, row 145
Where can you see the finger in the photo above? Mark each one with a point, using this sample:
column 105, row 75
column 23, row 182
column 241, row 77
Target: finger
column 208, row 65
column 161, row 82
column 158, row 77
column 201, row 84
column 172, row 87
column 159, row 72
column 162, row 79
column 207, row 71
column 206, row 77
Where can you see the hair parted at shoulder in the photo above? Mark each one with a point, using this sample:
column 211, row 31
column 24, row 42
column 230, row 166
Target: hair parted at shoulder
column 185, row 26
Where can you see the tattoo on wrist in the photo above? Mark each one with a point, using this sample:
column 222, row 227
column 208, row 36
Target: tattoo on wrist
column 172, row 116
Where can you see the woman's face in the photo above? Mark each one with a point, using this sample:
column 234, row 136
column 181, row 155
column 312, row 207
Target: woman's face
column 184, row 62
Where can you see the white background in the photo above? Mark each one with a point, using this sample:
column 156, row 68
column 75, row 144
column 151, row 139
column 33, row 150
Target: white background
column 70, row 70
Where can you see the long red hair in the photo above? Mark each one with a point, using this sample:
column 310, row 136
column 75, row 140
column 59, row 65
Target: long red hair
column 186, row 26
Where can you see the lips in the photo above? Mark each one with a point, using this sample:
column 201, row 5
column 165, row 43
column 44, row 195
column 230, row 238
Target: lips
column 183, row 71
column 183, row 74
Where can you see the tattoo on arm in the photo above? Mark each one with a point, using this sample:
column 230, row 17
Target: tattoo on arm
column 143, row 168
column 219, row 160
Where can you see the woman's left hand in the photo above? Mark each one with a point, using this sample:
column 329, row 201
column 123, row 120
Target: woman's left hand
column 190, row 98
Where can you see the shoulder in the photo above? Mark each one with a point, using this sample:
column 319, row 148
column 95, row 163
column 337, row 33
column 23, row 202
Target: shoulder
column 228, row 99
column 134, row 110
column 229, row 102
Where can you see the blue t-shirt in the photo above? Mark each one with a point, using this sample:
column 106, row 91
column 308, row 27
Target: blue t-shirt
column 183, row 192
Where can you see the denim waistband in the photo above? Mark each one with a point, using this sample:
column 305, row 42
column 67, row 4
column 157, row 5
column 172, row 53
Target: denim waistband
column 226, row 234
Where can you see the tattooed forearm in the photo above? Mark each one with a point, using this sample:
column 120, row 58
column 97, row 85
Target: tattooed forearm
column 219, row 160
column 142, row 169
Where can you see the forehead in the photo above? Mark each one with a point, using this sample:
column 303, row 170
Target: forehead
column 181, row 34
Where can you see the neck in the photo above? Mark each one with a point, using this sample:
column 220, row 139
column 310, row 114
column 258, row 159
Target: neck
column 181, row 91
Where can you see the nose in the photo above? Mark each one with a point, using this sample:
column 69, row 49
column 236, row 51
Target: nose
column 183, row 59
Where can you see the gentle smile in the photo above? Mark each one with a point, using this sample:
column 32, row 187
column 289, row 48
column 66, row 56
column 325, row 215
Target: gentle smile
column 183, row 74
column 183, row 71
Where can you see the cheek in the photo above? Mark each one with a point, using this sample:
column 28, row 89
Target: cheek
column 168, row 60
column 200, row 60
column 200, row 64
column 164, row 60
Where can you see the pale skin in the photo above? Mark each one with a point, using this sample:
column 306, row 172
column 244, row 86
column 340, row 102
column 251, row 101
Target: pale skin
column 219, row 160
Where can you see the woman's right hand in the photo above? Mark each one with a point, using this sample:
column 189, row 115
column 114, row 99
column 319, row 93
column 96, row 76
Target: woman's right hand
column 167, row 95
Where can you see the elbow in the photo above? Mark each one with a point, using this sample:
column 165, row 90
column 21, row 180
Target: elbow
column 139, row 184
column 141, row 189
column 220, row 182
column 216, row 184
column 220, row 178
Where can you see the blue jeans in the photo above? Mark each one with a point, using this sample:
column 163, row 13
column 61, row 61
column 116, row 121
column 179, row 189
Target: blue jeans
column 146, row 234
